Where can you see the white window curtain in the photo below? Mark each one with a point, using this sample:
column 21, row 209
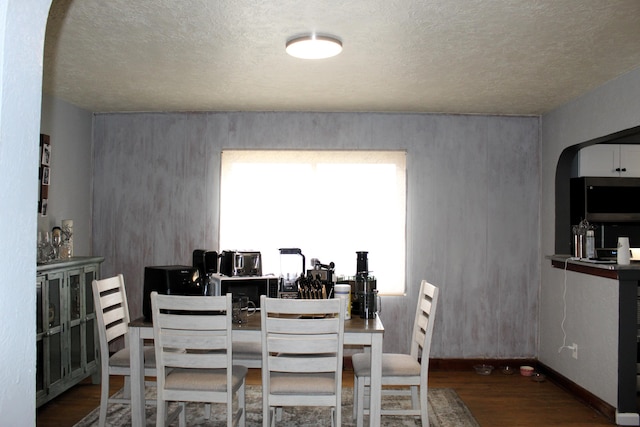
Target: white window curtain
column 330, row 204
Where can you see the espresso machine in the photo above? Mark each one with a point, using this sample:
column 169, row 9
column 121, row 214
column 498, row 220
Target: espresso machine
column 365, row 302
column 207, row 264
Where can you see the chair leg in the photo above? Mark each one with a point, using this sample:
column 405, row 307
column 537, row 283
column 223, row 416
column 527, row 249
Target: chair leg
column 161, row 413
column 272, row 417
column 104, row 398
column 230, row 414
column 424, row 406
column 355, row 398
column 182, row 418
column 360, row 417
column 266, row 411
column 242, row 405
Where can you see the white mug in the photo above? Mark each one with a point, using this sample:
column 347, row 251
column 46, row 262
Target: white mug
column 624, row 255
column 344, row 291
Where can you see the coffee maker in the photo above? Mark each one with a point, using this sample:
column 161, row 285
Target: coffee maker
column 366, row 295
column 207, row 264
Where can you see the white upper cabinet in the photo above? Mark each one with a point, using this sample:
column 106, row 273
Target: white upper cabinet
column 618, row 160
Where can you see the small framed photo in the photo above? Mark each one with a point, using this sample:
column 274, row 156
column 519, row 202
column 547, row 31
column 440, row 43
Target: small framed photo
column 46, row 154
column 44, row 206
column 46, row 175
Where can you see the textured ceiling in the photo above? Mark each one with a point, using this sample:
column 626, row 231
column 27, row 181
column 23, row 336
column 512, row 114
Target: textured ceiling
column 450, row 56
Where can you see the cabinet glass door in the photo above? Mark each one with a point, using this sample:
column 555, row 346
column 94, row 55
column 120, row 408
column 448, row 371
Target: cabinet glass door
column 91, row 342
column 90, row 316
column 40, row 387
column 74, row 295
column 74, row 278
column 54, row 300
column 39, row 302
column 89, row 276
column 53, row 347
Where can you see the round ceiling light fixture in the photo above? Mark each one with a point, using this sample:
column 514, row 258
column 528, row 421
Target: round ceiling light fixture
column 314, row 46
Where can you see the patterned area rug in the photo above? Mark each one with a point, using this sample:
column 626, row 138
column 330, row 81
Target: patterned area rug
column 445, row 410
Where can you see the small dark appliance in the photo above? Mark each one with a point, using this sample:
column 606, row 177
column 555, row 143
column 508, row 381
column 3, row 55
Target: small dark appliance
column 605, row 199
column 198, row 260
column 210, row 262
column 366, row 296
column 205, row 261
column 251, row 287
column 240, row 263
column 207, row 264
column 170, row 280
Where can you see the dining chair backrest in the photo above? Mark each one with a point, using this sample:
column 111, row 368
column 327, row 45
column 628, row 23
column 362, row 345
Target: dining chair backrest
column 405, row 374
column 423, row 325
column 112, row 320
column 302, row 348
column 193, row 342
column 112, row 312
column 185, row 338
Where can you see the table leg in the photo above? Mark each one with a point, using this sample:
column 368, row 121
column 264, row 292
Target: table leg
column 137, row 378
column 375, row 395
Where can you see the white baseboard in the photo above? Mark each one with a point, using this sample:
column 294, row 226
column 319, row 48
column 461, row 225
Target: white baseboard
column 627, row 419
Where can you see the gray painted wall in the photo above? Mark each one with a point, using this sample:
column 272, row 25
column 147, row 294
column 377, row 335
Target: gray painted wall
column 592, row 314
column 472, row 220
column 71, row 171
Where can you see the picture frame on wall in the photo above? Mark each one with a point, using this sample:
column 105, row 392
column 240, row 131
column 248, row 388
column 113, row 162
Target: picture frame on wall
column 46, row 154
column 44, row 207
column 46, row 175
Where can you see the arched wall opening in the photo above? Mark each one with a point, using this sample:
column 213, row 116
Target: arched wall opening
column 566, row 169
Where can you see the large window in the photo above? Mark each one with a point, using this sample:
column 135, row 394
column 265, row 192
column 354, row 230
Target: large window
column 330, row 204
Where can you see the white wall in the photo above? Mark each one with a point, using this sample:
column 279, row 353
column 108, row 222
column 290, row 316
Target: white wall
column 610, row 108
column 22, row 26
column 70, row 129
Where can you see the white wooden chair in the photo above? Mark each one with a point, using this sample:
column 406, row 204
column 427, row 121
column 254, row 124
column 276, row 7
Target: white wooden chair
column 112, row 313
column 192, row 337
column 409, row 370
column 302, row 344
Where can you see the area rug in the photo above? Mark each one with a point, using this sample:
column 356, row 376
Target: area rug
column 445, row 410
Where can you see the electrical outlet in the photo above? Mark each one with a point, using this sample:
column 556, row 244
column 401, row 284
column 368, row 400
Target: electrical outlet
column 574, row 347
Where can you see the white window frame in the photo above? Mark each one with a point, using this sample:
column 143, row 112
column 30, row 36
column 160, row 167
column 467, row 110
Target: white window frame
column 353, row 201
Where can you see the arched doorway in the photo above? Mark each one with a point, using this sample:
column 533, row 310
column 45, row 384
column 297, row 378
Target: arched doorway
column 565, row 170
column 21, row 56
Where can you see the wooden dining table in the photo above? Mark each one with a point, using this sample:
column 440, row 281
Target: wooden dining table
column 357, row 331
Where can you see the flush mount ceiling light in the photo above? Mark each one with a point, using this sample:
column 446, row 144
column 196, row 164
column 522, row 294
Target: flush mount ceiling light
column 314, row 47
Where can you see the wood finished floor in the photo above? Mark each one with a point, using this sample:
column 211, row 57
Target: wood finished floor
column 496, row 401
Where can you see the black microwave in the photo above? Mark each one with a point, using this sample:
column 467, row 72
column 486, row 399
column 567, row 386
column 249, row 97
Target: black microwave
column 251, row 287
column 605, row 199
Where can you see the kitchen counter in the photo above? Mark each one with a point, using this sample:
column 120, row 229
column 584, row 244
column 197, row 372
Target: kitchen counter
column 608, row 270
column 627, row 278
